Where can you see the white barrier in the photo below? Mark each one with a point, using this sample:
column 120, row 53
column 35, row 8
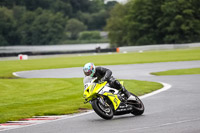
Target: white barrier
column 158, row 47
column 22, row 57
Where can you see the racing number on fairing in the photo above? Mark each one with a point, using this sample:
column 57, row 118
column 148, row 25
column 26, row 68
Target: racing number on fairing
column 116, row 101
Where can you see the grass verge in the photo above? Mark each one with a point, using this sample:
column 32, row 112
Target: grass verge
column 178, row 72
column 7, row 67
column 23, row 98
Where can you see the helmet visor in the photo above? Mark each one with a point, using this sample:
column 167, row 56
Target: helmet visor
column 88, row 73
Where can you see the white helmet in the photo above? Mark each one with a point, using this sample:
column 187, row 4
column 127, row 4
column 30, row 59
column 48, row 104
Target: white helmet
column 89, row 69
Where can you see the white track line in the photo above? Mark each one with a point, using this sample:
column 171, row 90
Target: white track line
column 15, row 74
column 165, row 87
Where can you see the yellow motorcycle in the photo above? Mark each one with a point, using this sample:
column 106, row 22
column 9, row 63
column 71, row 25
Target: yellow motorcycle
column 107, row 101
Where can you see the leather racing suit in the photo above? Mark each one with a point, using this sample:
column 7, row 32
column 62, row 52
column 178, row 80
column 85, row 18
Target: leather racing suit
column 104, row 74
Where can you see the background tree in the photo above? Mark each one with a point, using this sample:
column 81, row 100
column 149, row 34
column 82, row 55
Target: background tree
column 75, row 26
column 96, row 6
column 7, row 28
column 80, row 5
column 98, row 20
column 41, row 22
column 184, row 24
column 155, row 22
column 89, row 35
column 116, row 26
column 62, row 6
column 42, row 27
column 110, row 4
column 141, row 22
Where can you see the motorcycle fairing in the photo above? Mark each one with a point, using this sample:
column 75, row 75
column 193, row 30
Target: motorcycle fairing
column 92, row 89
column 113, row 98
column 123, row 109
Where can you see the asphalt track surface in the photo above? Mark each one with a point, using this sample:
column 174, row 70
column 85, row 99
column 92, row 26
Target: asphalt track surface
column 176, row 110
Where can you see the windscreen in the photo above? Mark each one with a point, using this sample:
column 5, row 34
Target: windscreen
column 86, row 81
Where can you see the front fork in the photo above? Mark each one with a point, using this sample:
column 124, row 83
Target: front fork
column 101, row 100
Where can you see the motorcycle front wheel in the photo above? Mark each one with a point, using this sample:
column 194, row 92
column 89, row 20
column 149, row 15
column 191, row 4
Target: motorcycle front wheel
column 103, row 111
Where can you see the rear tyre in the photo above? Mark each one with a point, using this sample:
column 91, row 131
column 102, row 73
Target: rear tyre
column 138, row 106
column 103, row 111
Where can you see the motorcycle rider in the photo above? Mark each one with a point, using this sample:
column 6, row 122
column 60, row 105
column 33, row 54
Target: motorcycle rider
column 104, row 74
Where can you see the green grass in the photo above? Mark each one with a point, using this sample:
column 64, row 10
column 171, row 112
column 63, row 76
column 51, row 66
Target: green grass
column 178, row 72
column 23, row 98
column 7, row 67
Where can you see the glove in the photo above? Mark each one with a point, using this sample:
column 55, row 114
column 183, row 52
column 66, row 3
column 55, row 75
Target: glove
column 102, row 80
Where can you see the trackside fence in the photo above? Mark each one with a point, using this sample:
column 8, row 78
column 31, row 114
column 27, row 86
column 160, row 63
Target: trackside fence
column 158, row 47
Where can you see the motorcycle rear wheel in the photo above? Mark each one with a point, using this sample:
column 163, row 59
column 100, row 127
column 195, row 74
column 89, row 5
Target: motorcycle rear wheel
column 138, row 106
column 103, row 112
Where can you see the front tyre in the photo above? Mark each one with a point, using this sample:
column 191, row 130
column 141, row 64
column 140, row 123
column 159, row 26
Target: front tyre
column 103, row 111
column 138, row 106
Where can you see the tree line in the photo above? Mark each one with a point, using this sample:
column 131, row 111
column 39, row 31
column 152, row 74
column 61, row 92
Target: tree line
column 43, row 22
column 144, row 22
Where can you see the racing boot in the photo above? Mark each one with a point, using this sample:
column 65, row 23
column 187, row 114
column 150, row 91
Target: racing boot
column 118, row 86
column 128, row 95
